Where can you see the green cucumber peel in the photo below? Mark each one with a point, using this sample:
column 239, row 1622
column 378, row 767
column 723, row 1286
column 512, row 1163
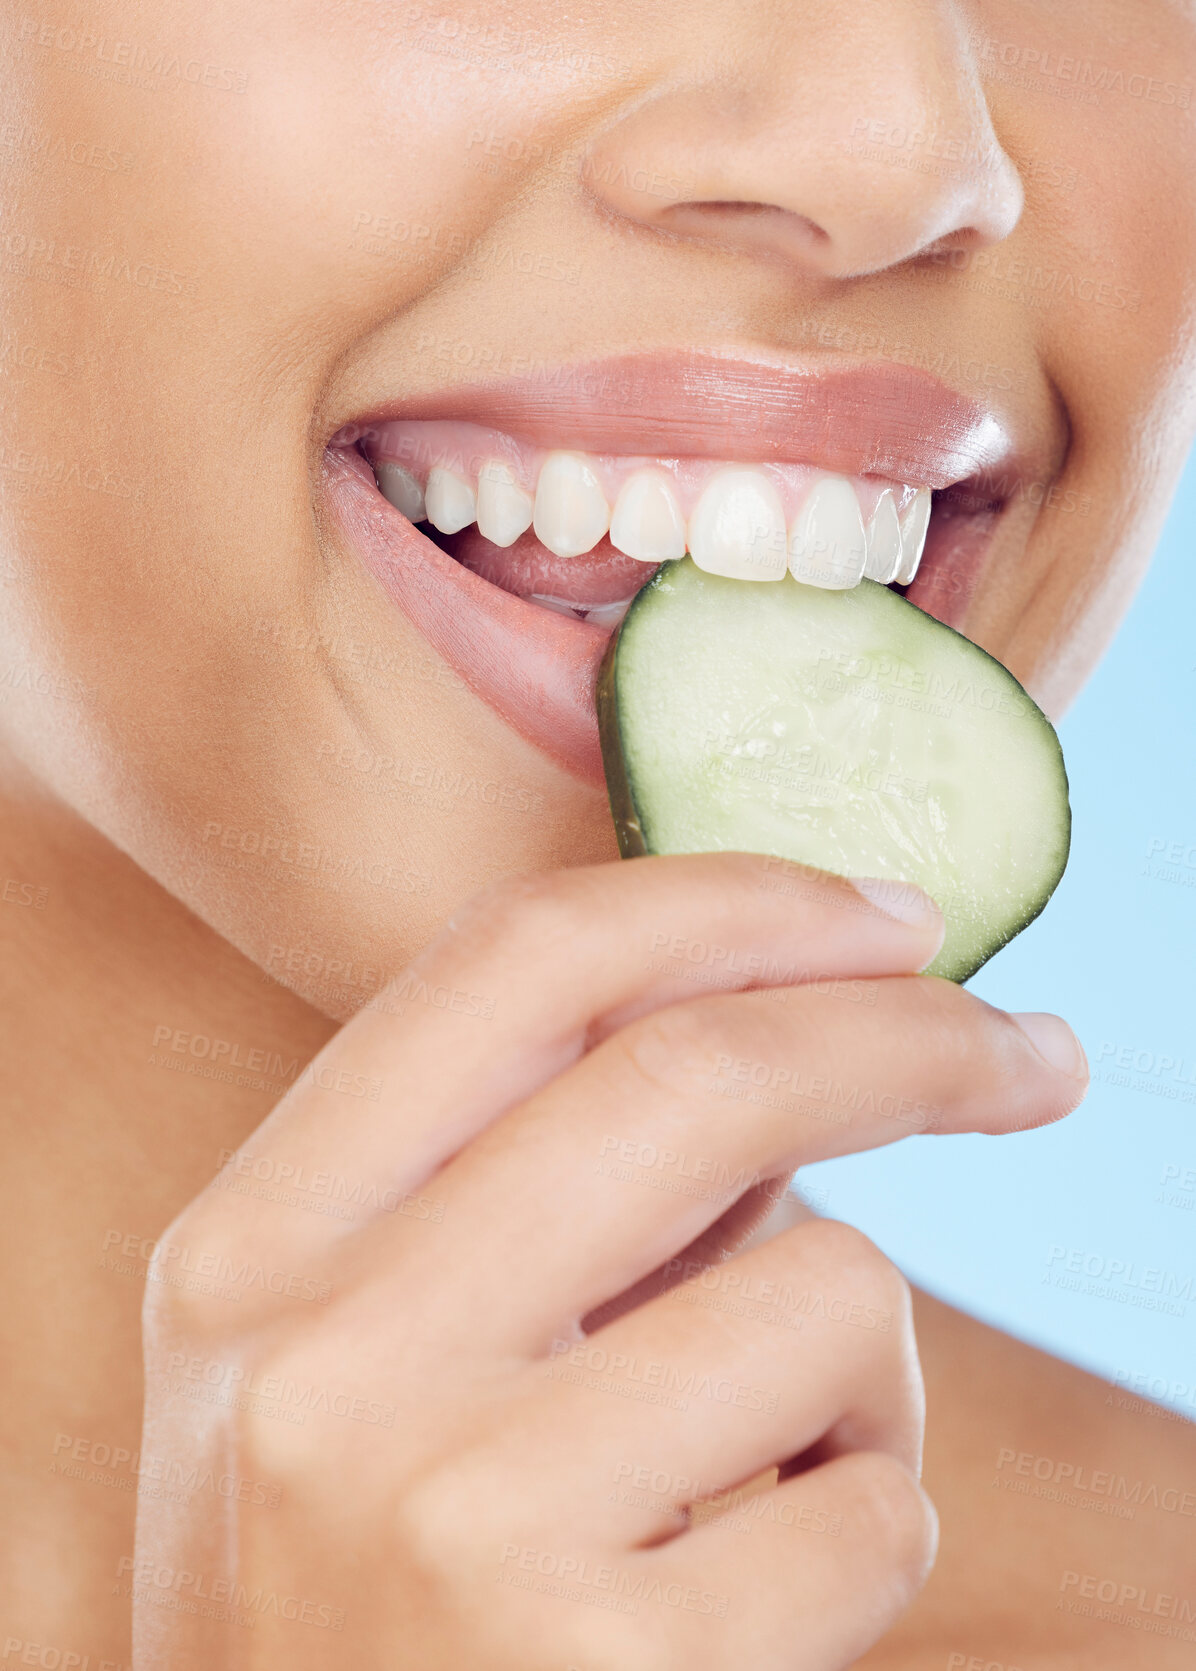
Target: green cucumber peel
column 843, row 731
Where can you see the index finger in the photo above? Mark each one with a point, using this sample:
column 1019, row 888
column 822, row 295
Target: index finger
column 530, row 974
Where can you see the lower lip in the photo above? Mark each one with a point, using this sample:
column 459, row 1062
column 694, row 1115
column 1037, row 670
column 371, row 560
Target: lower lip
column 535, row 668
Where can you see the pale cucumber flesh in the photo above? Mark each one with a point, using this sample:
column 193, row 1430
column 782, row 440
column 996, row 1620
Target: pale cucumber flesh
column 847, row 731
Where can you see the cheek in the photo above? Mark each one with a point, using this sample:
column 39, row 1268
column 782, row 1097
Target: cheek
column 1101, row 268
column 190, row 663
column 1100, row 106
column 181, row 315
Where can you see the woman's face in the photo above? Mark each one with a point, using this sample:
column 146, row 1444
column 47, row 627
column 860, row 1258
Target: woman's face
column 916, row 243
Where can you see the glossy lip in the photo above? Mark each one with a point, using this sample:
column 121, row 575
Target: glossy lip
column 537, row 669
column 892, row 421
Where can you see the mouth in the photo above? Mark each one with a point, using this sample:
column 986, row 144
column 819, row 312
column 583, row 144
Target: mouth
column 514, row 523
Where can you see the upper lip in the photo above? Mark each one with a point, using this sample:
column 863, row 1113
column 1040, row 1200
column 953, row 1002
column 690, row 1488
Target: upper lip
column 881, row 419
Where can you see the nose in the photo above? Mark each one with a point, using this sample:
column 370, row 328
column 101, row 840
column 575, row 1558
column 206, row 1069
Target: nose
column 845, row 138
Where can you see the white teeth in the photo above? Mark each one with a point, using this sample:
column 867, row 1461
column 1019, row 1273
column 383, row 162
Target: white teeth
column 913, row 536
column 827, row 545
column 884, row 541
column 451, row 501
column 504, row 509
column 400, row 488
column 647, row 523
column 737, row 527
column 571, row 512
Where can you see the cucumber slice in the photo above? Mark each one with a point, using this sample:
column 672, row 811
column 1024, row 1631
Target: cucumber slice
column 847, row 731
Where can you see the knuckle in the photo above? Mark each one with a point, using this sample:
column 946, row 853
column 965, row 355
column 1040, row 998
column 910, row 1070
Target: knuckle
column 543, row 911
column 886, row 1507
column 844, row 1248
column 673, row 1051
column 852, row 1259
column 458, row 1506
column 433, row 1514
column 171, row 1303
column 284, row 1376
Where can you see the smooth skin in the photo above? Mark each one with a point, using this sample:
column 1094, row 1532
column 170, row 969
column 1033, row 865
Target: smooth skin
column 324, row 205
column 514, row 1426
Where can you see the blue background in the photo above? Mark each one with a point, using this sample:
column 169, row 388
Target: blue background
column 1059, row 1236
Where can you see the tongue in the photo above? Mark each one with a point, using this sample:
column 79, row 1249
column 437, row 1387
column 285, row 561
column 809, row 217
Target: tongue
column 529, row 569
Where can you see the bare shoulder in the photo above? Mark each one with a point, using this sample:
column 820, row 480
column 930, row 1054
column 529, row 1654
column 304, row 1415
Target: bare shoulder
column 1068, row 1513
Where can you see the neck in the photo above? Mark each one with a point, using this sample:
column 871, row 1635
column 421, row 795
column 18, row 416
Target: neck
column 137, row 1044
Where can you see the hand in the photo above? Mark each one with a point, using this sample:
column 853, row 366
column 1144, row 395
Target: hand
column 408, row 1451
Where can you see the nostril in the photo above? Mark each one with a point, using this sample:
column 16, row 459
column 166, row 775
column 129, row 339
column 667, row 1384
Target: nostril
column 738, row 220
column 736, row 206
column 967, row 238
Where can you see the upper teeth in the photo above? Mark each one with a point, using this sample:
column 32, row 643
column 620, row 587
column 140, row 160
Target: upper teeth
column 913, row 537
column 751, row 522
column 504, row 509
column 885, row 548
column 571, row 513
column 646, row 521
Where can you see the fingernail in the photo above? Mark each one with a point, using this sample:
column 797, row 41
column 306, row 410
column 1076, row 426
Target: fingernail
column 1054, row 1041
column 901, row 900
